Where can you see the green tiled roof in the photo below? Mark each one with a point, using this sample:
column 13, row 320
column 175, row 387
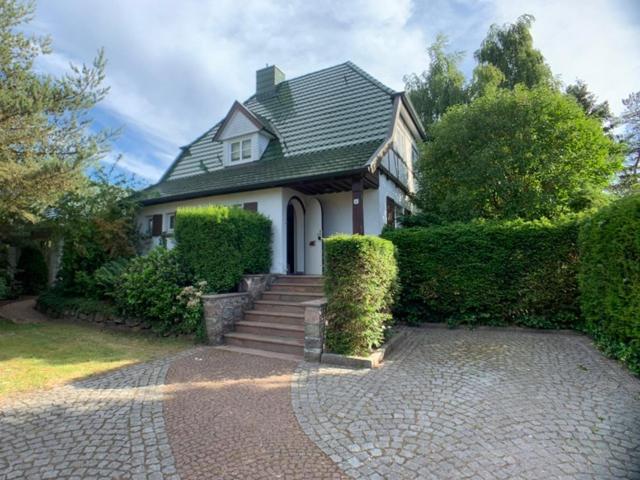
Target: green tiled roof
column 327, row 123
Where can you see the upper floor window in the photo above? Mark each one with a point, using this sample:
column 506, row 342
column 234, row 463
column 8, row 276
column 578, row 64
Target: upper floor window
column 171, row 221
column 241, row 150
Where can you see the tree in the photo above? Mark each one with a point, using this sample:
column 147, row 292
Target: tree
column 629, row 178
column 435, row 90
column 45, row 140
column 589, row 103
column 510, row 49
column 522, row 153
column 98, row 225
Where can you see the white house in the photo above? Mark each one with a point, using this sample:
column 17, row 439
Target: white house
column 328, row 152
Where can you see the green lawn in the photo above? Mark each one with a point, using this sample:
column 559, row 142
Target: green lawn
column 43, row 355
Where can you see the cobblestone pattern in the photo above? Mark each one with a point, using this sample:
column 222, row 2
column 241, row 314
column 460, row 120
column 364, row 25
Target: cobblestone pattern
column 490, row 404
column 110, row 426
column 229, row 416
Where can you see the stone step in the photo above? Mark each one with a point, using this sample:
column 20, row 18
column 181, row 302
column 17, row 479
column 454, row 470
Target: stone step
column 279, row 306
column 297, row 287
column 271, row 329
column 269, row 316
column 289, row 296
column 260, row 353
column 261, row 342
column 300, row 279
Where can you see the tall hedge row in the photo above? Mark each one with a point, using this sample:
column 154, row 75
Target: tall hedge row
column 220, row 244
column 610, row 278
column 360, row 279
column 507, row 272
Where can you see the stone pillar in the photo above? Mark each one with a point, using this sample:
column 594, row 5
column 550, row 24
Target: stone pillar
column 255, row 284
column 314, row 326
column 221, row 312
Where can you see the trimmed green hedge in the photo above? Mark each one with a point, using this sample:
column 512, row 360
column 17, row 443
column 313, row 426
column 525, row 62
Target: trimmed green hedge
column 610, row 279
column 220, row 244
column 360, row 278
column 493, row 273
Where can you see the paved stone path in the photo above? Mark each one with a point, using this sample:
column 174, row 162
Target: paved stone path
column 490, row 404
column 229, row 416
column 110, row 426
column 22, row 311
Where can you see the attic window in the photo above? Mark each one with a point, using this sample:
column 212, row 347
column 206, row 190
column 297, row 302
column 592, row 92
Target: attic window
column 241, row 149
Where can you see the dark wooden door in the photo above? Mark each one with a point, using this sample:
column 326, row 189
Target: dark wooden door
column 291, row 228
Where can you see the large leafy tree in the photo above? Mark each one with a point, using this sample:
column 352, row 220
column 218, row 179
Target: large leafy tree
column 522, row 153
column 46, row 142
column 440, row 86
column 509, row 48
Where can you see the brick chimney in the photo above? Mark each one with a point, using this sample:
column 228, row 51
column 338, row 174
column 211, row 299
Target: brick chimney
column 267, row 79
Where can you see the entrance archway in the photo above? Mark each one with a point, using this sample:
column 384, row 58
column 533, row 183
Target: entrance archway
column 295, row 236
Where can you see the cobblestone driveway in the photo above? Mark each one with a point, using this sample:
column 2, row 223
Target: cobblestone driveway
column 477, row 404
column 111, row 426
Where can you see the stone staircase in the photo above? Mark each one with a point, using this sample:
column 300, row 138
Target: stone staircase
column 276, row 323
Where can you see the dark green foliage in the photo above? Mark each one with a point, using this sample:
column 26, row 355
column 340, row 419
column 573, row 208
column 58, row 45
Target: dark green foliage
column 54, row 303
column 82, row 254
column 98, row 226
column 107, row 277
column 489, row 272
column 360, row 279
column 32, row 271
column 149, row 289
column 220, row 244
column 515, row 154
column 610, row 279
column 421, row 219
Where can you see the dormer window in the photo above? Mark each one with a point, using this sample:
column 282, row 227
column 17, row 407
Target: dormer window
column 241, row 149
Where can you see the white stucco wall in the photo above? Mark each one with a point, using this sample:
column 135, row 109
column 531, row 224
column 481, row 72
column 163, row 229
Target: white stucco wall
column 269, row 204
column 336, row 215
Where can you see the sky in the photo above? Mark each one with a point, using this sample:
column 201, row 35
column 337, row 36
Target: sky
column 175, row 67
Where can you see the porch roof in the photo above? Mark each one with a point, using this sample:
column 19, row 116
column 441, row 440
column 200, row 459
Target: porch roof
column 272, row 170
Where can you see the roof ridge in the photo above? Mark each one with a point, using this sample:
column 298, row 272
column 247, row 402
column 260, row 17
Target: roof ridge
column 370, row 78
column 303, row 76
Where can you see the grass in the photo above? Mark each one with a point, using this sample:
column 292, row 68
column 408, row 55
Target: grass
column 35, row 356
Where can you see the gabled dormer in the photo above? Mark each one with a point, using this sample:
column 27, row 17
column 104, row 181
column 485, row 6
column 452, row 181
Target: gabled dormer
column 243, row 135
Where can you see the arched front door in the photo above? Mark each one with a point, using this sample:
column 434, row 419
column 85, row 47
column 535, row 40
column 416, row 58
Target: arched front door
column 295, row 236
column 313, row 237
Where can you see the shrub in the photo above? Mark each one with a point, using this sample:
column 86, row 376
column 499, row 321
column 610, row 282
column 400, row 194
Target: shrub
column 610, row 279
column 32, row 272
column 54, row 303
column 489, row 272
column 107, row 277
column 360, row 275
column 220, row 244
column 149, row 289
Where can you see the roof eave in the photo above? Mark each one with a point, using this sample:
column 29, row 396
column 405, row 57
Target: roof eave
column 245, row 188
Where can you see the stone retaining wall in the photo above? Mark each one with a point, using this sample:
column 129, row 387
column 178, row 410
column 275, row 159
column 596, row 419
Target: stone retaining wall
column 222, row 311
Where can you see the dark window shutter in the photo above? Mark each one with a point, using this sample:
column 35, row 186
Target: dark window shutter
column 156, row 229
column 391, row 212
column 251, row 206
